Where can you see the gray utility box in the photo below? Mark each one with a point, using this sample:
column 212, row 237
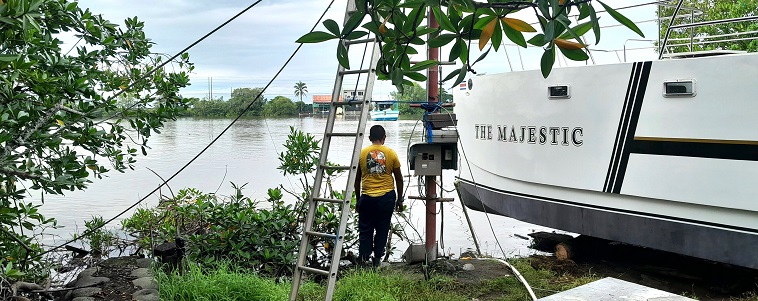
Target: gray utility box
column 429, row 159
column 443, row 136
column 441, row 120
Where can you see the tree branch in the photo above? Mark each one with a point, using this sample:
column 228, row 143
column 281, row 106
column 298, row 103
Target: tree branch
column 20, row 174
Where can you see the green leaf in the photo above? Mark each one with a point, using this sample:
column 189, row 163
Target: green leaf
column 579, row 30
column 621, row 19
column 595, row 24
column 547, row 61
column 482, row 56
column 9, row 57
column 514, row 35
column 464, row 52
column 571, row 33
column 423, row 65
column 441, row 40
column 415, row 76
column 452, row 74
column 456, row 50
column 555, row 6
column 332, row 26
column 356, row 35
column 397, row 76
column 538, row 40
column 497, row 37
column 584, row 11
column 550, row 31
column 315, row 37
column 575, row 54
column 443, row 20
column 461, row 76
column 353, row 22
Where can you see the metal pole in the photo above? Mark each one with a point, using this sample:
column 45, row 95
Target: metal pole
column 468, row 220
column 432, row 90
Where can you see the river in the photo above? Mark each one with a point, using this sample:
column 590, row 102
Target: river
column 248, row 153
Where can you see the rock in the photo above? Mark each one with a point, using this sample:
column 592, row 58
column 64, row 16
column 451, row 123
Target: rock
column 145, row 283
column 141, row 272
column 85, row 292
column 21, row 286
column 91, row 281
column 88, row 272
column 144, row 262
column 468, row 267
column 83, row 299
column 146, row 295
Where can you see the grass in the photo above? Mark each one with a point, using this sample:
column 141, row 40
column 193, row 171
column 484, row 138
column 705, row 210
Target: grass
column 220, row 283
column 223, row 282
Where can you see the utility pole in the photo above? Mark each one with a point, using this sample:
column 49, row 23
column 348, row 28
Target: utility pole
column 432, row 89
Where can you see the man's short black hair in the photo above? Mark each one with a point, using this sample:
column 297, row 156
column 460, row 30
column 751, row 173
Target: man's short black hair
column 376, row 133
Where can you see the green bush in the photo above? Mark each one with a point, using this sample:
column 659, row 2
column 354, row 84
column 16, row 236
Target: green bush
column 237, row 229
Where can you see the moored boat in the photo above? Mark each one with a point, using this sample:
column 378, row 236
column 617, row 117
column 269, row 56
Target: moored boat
column 384, row 110
column 661, row 154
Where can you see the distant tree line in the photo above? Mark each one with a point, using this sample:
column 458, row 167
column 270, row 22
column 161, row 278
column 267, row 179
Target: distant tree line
column 279, row 106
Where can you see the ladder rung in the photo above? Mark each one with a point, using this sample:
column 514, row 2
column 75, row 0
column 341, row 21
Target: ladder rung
column 335, row 167
column 342, row 134
column 313, row 270
column 347, row 103
column 361, row 41
column 354, row 71
column 319, row 234
column 335, row 201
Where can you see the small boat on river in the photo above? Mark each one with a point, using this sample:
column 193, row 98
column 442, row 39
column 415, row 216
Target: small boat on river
column 384, row 110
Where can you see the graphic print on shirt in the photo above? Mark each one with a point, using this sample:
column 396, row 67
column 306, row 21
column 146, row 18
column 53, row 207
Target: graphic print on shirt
column 376, row 162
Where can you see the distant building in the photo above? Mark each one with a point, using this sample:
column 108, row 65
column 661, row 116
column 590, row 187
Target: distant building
column 321, row 103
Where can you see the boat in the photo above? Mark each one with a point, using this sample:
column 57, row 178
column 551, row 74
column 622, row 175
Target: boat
column 384, row 110
column 661, row 154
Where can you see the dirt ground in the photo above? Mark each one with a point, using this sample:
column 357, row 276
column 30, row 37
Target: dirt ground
column 678, row 274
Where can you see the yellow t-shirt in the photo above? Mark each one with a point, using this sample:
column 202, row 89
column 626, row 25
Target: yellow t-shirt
column 377, row 163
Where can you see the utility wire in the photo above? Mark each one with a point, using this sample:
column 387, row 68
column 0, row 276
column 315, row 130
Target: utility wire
column 90, row 231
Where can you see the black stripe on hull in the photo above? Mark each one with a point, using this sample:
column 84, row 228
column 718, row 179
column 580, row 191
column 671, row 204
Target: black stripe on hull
column 632, row 129
column 616, row 155
column 745, row 152
column 723, row 243
column 627, row 127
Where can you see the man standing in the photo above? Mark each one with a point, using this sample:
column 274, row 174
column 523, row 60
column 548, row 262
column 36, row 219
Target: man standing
column 379, row 175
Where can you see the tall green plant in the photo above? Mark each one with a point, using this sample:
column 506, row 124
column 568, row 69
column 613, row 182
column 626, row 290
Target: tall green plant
column 52, row 138
column 300, row 159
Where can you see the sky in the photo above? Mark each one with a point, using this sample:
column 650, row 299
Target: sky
column 249, row 50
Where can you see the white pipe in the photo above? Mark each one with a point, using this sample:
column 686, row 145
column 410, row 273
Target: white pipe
column 518, row 276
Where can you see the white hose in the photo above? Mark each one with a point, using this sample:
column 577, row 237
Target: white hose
column 518, row 276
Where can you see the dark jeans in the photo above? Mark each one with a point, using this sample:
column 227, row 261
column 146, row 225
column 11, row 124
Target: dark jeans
column 374, row 215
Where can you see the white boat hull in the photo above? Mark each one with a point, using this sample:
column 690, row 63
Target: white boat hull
column 617, row 159
column 384, row 115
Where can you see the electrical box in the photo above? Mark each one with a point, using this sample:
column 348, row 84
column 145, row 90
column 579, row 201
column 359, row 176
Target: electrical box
column 426, row 159
column 429, row 159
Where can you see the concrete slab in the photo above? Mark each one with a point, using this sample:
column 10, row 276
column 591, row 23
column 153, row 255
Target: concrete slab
column 611, row 289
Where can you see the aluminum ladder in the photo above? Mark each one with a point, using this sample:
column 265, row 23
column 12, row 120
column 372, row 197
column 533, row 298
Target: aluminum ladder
column 315, row 199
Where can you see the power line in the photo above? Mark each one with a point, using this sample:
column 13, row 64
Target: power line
column 90, row 231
